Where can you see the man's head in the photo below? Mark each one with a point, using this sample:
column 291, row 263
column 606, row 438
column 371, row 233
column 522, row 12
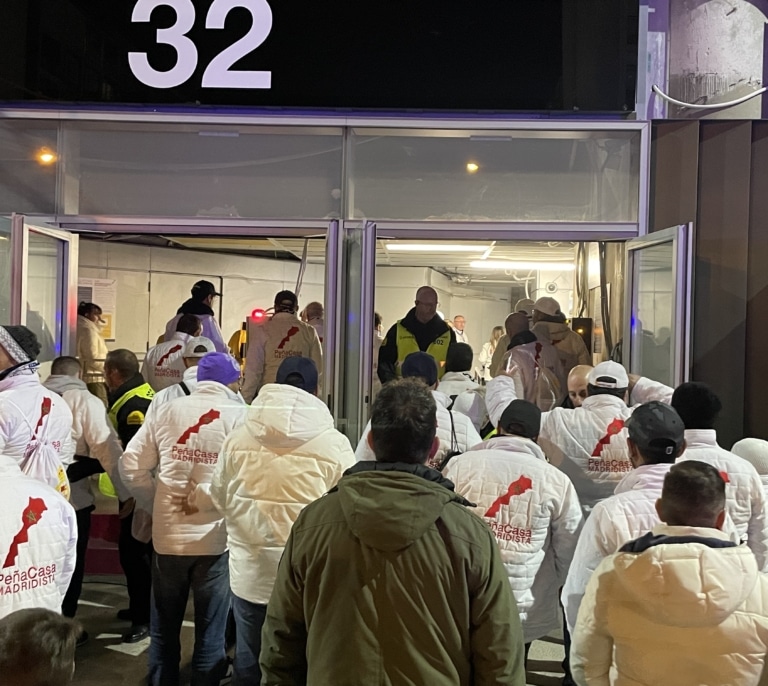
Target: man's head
column 520, row 418
column 547, row 309
column 300, row 372
column 656, row 434
column 66, row 366
column 286, row 301
column 120, row 366
column 459, row 358
column 525, row 306
column 608, row 378
column 697, row 404
column 377, row 321
column 403, row 423
column 17, row 345
column 459, row 322
column 515, row 323
column 314, row 311
column 37, row 648
column 204, row 292
column 426, row 304
column 221, row 368
column 421, row 367
column 693, row 495
column 577, row 383
column 90, row 311
column 190, row 325
column 195, row 349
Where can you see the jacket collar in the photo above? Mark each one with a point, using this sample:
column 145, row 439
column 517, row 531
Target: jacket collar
column 180, row 336
column 463, row 377
column 644, row 477
column 284, row 315
column 214, row 388
column 701, row 438
column 664, row 534
column 441, row 399
column 87, row 323
column 193, row 306
column 19, row 381
column 133, row 382
column 190, row 374
column 61, row 383
column 511, row 444
column 436, row 327
column 595, row 401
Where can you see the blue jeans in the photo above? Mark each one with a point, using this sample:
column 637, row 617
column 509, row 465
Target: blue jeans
column 249, row 618
column 172, row 578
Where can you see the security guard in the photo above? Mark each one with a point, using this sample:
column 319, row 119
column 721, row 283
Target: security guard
column 270, row 342
column 421, row 329
column 129, row 397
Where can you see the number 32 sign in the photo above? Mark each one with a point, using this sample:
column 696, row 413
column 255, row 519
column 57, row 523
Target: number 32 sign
column 218, row 73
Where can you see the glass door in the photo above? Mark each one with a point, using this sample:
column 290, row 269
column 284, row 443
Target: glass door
column 659, row 303
column 44, row 286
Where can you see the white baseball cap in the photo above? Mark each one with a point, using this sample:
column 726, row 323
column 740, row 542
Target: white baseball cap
column 199, row 346
column 548, row 306
column 608, row 374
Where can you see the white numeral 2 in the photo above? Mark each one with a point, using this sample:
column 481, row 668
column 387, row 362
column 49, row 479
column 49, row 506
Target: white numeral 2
column 218, row 73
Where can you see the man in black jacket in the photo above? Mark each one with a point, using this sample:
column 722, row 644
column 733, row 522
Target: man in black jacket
column 420, row 330
column 201, row 305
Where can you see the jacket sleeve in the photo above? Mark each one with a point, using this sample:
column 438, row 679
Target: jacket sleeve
column 137, row 464
column 284, row 635
column 254, row 364
column 496, row 635
column 646, row 390
column 211, row 330
column 757, row 528
column 220, row 480
column 500, row 391
column 565, row 526
column 68, row 564
column 498, row 355
column 466, row 434
column 316, row 355
column 388, row 356
column 591, row 645
column 103, row 443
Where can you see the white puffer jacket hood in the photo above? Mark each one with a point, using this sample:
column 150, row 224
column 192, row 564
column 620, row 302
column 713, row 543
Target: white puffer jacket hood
column 286, row 454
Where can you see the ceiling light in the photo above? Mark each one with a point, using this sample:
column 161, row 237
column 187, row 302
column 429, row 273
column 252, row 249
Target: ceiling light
column 434, row 247
column 536, row 266
column 45, row 156
column 472, row 167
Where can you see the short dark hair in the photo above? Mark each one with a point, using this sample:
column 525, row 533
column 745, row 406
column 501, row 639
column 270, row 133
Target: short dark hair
column 123, row 361
column 459, row 358
column 188, row 324
column 697, row 404
column 600, row 390
column 66, row 366
column 37, row 648
column 87, row 309
column 377, row 319
column 693, row 494
column 403, row 422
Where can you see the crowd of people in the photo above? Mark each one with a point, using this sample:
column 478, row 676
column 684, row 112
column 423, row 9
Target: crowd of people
column 478, row 513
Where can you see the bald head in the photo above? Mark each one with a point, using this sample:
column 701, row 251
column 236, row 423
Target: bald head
column 515, row 323
column 426, row 304
column 577, row 383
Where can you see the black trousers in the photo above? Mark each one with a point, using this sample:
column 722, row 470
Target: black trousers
column 136, row 560
column 69, row 604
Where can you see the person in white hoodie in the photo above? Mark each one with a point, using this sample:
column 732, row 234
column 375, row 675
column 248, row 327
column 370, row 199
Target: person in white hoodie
column 35, row 424
column 588, row 443
column 534, row 365
column 181, row 445
column 530, row 506
column 467, row 396
column 754, row 451
column 97, row 449
column 655, row 441
column 163, row 364
column 681, row 605
column 92, row 348
column 454, row 430
column 286, row 455
column 698, row 406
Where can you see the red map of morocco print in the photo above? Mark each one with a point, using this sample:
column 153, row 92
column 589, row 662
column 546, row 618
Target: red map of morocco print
column 31, row 516
column 518, row 487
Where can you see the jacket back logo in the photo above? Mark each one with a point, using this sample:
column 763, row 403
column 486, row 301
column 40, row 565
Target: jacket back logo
column 518, row 487
column 207, row 418
column 45, row 410
column 165, row 357
column 31, row 515
column 614, row 428
column 291, row 332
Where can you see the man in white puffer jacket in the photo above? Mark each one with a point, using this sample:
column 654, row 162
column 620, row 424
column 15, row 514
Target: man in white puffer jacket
column 467, row 396
column 681, row 605
column 588, row 443
column 182, row 441
column 698, row 406
column 655, row 441
column 532, row 509
column 286, row 455
column 454, row 430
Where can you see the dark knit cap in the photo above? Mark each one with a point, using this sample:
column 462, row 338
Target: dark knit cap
column 26, row 339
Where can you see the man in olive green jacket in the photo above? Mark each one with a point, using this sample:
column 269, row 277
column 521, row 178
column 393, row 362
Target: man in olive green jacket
column 390, row 579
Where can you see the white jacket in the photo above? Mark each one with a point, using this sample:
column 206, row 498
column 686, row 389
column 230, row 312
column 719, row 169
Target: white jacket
column 527, row 361
column 92, row 434
column 286, row 455
column 746, row 502
column 23, row 419
column 534, row 513
column 164, row 364
column 269, row 343
column 484, row 359
column 613, row 522
column 38, row 529
column 182, row 441
column 588, row 443
column 189, row 379
column 470, row 396
column 466, row 435
column 91, row 350
column 678, row 613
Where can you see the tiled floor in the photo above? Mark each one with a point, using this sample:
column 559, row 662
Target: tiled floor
column 103, row 660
